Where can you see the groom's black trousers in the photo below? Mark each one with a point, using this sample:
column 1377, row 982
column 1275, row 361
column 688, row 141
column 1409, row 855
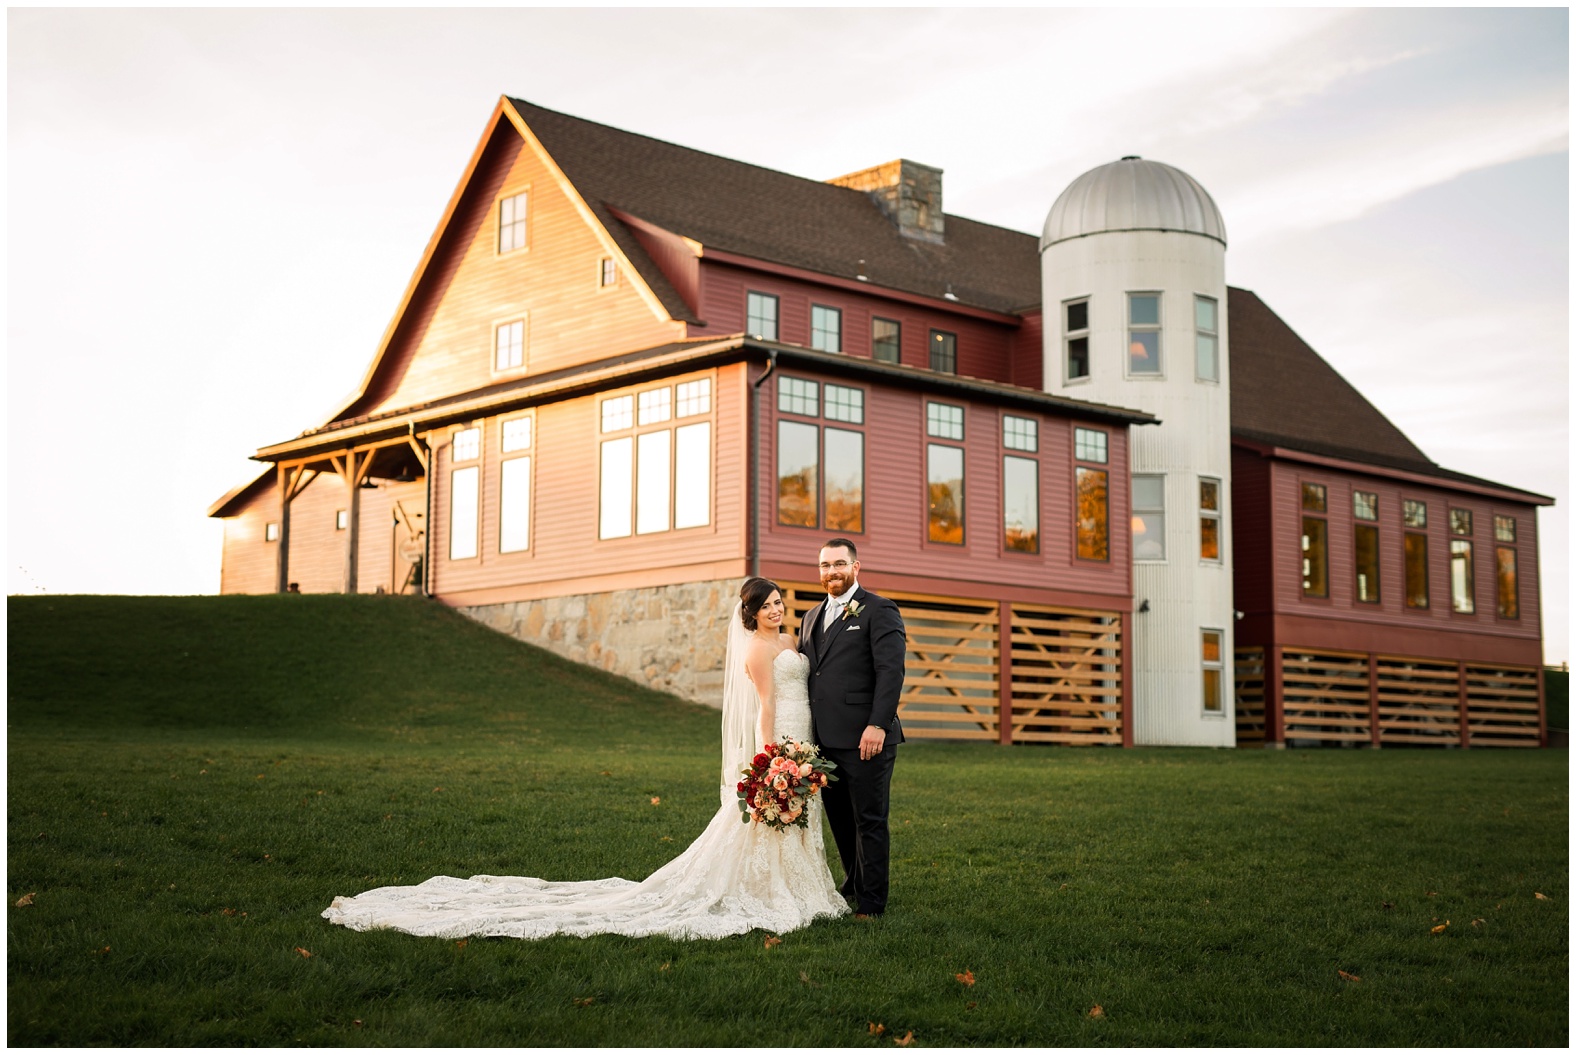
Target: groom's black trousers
column 857, row 805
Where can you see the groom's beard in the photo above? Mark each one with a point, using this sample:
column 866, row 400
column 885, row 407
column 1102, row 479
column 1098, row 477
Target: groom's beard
column 835, row 584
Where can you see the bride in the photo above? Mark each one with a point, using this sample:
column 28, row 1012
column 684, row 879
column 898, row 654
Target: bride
column 734, row 878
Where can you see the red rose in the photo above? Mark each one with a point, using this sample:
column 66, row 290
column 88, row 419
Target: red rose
column 761, row 760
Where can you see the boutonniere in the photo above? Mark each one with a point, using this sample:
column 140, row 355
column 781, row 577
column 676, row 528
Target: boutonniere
column 853, row 610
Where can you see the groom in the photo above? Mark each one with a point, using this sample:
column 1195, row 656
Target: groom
column 856, row 643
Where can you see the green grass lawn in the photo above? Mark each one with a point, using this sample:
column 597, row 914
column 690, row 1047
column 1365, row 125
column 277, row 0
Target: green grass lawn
column 192, row 780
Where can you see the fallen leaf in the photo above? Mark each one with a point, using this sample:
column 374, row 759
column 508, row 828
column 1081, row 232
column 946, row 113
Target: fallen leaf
column 462, row 943
column 1441, row 928
column 304, row 954
column 1387, row 905
column 905, row 1040
column 1539, row 896
column 437, row 789
column 1478, row 922
column 101, row 952
column 665, row 966
column 607, row 772
column 229, row 912
column 1348, row 977
column 770, row 941
column 876, row 1029
column 967, row 977
column 1097, row 1011
column 584, row 1001
column 357, row 1022
column 656, row 800
column 259, row 776
column 667, row 838
column 25, row 900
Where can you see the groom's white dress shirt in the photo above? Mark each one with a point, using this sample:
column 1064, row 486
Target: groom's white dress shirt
column 834, row 606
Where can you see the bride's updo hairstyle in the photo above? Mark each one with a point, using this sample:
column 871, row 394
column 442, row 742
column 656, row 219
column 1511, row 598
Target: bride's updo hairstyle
column 752, row 595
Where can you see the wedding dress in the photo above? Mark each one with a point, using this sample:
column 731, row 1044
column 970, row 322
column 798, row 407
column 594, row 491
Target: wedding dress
column 734, row 878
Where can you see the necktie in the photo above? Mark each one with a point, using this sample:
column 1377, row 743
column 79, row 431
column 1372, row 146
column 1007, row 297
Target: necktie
column 834, row 607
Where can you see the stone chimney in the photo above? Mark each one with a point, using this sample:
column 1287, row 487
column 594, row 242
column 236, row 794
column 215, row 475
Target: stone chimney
column 908, row 192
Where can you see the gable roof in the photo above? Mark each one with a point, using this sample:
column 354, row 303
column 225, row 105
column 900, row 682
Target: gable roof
column 772, row 216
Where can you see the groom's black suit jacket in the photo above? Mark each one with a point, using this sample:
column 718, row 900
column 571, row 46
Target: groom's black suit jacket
column 856, row 671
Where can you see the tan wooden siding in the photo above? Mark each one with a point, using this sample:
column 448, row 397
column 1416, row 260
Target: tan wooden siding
column 552, row 283
column 1249, row 678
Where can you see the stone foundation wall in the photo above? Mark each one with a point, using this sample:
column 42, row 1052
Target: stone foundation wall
column 670, row 638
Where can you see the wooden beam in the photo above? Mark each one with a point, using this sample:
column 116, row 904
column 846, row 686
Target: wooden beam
column 421, row 452
column 1373, row 698
column 1461, row 704
column 352, row 476
column 282, row 554
column 1004, row 679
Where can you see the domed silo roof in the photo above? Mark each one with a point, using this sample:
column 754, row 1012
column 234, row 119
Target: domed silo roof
column 1133, row 195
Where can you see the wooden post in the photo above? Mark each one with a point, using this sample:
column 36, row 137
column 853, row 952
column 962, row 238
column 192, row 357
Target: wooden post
column 1543, row 717
column 1274, row 697
column 355, row 473
column 1461, row 704
column 282, row 554
column 1004, row 673
column 1373, row 699
column 1124, row 671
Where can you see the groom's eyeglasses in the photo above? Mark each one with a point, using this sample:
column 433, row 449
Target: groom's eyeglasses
column 841, row 565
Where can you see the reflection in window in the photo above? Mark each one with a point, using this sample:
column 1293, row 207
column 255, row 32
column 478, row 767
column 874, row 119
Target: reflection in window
column 1149, row 517
column 618, row 482
column 1509, row 604
column 1365, row 505
column 1461, row 521
column 1094, row 521
column 1143, row 333
column 945, row 493
column 886, row 340
column 1315, row 558
column 1208, row 519
column 798, row 396
column 797, row 471
column 1077, row 340
column 1020, row 434
column 1504, row 529
column 1414, row 513
column 1313, row 498
column 1020, row 478
column 1366, row 558
column 1461, row 594
column 760, row 316
column 845, row 404
column 944, row 421
column 514, row 505
column 1089, row 445
column 845, row 479
column 1206, row 340
column 1214, row 671
column 692, row 475
column 463, row 494
column 826, row 329
column 944, row 352
column 1416, row 556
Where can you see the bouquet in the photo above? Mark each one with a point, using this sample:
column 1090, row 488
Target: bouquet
column 779, row 782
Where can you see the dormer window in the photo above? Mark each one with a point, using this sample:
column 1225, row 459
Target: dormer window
column 511, row 222
column 826, row 329
column 943, row 352
column 760, row 316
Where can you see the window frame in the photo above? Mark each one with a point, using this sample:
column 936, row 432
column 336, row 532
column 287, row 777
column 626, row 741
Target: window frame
column 962, row 497
column 634, row 430
column 341, row 519
column 472, row 474
column 270, row 531
column 1070, row 334
column 777, row 315
column 820, row 421
column 897, row 337
column 1200, row 334
column 1371, row 528
column 1133, row 479
column 1501, row 551
column 1157, row 327
column 1208, row 666
column 1217, row 515
column 523, row 224
column 948, row 340
column 1319, row 513
column 498, row 367
column 604, row 265
column 819, row 314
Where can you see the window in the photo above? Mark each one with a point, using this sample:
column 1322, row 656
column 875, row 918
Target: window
column 1365, row 505
column 509, row 345
column 845, row 404
column 1504, row 529
column 1149, row 517
column 511, row 222
column 463, row 497
column 1461, row 521
column 607, row 272
column 944, row 352
column 694, row 397
column 1208, row 519
column 944, row 421
column 1089, row 445
column 1461, row 595
column 1414, row 513
column 795, row 395
column 1365, row 557
column 1020, row 486
column 826, row 329
column 270, row 532
column 1020, row 434
column 516, row 434
column 1214, row 673
column 1143, row 334
column 1094, row 521
column 1506, row 592
column 1315, row 543
column 820, row 470
column 886, row 340
column 467, row 444
column 1416, row 558
column 514, row 504
column 658, row 479
column 944, row 480
column 1077, row 330
column 1206, row 339
column 761, row 316
column 341, row 519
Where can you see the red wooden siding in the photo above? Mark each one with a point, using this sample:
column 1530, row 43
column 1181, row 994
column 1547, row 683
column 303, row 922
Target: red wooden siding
column 983, row 347
column 1027, row 351
column 1251, row 552
column 894, row 547
column 553, row 282
column 1340, row 621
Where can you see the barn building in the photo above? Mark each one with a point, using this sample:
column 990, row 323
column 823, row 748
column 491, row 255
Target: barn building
column 1118, row 501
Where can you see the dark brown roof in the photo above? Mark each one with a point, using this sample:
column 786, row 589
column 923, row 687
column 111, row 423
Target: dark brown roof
column 772, row 216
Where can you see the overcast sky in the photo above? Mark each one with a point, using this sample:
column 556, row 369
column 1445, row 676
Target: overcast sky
column 213, row 214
